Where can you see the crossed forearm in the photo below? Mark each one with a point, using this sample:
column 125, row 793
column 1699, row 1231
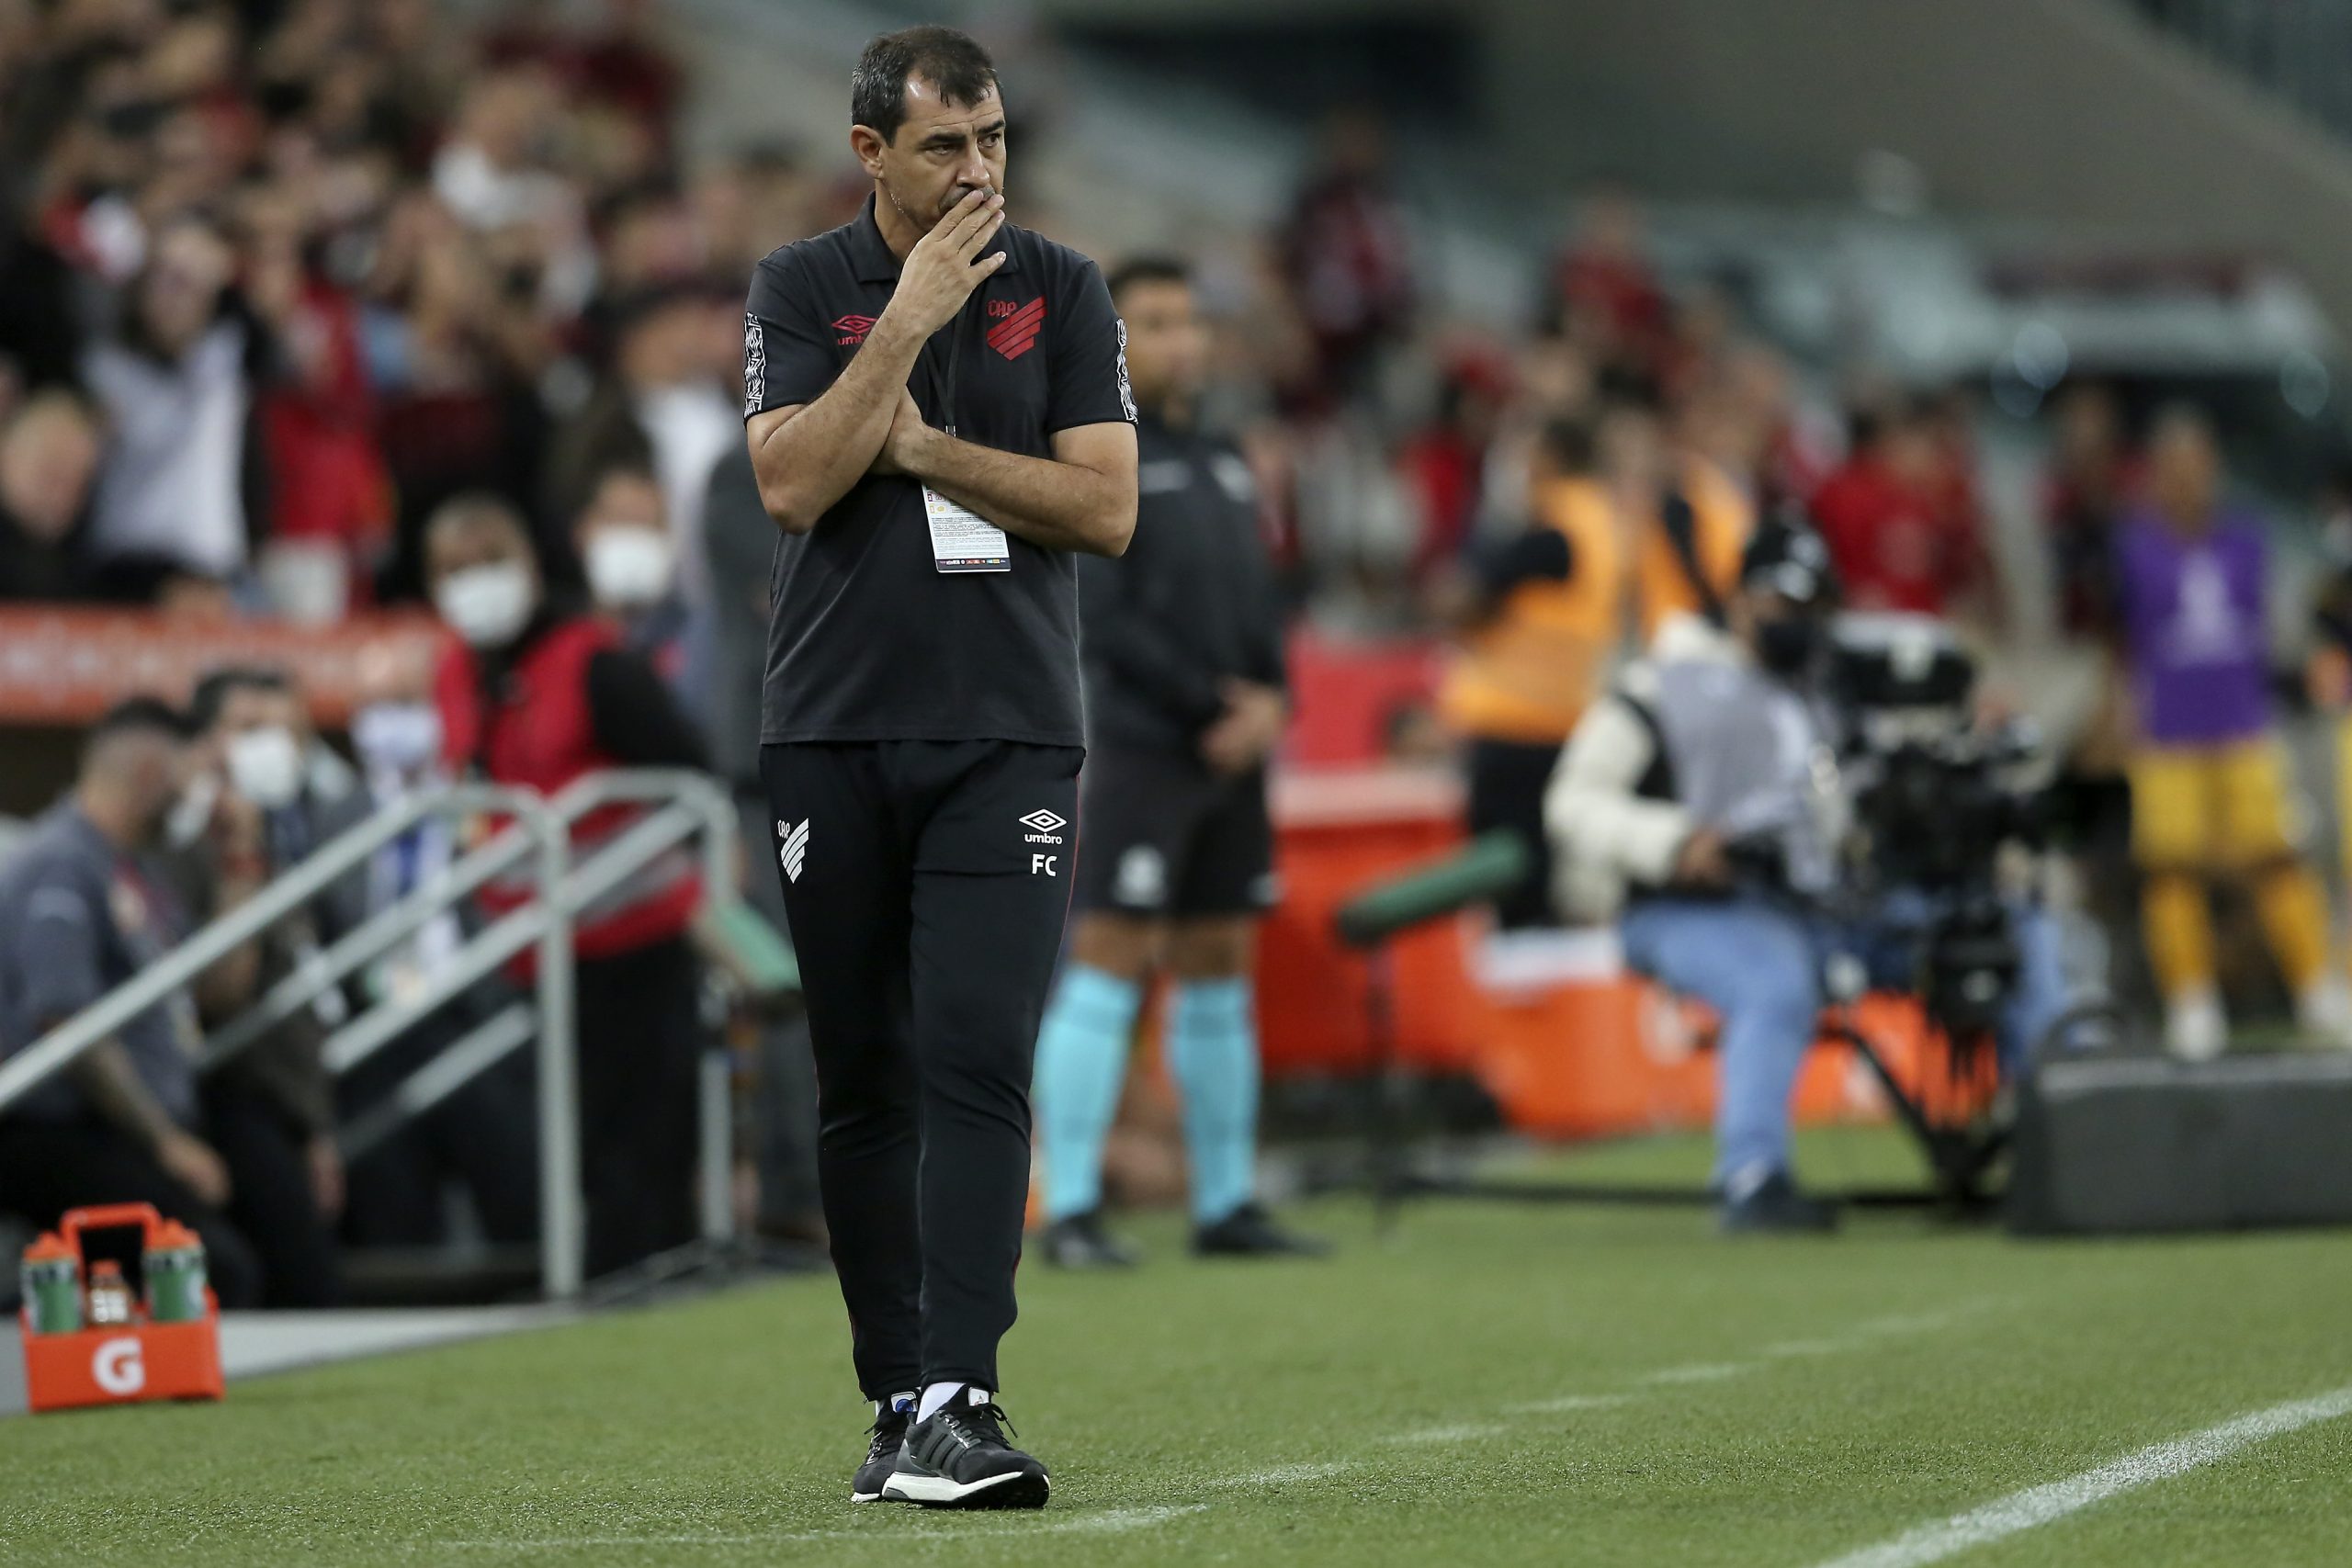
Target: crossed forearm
column 810, row 461
column 1062, row 506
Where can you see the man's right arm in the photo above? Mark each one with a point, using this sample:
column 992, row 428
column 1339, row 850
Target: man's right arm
column 1604, row 832
column 60, row 958
column 808, row 455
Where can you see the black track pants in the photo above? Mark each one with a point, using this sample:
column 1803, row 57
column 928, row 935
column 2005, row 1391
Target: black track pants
column 926, row 883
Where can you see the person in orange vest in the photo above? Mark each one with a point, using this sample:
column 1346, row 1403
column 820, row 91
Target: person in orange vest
column 1621, row 535
column 534, row 694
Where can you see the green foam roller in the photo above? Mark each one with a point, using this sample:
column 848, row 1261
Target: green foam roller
column 1488, row 866
column 740, row 938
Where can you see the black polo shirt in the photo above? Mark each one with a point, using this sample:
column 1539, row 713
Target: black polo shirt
column 1191, row 604
column 868, row 640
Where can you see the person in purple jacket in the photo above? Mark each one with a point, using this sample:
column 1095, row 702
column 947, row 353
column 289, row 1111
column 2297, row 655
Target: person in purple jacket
column 2210, row 789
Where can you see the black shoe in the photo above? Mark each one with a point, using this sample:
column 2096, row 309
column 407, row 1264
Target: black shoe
column 1250, row 1232
column 889, row 1435
column 1080, row 1242
column 1774, row 1206
column 959, row 1459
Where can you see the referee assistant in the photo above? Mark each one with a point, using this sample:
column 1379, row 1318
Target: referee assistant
column 938, row 415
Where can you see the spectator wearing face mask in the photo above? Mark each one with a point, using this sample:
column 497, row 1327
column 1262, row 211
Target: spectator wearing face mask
column 623, row 540
column 483, row 1138
column 271, row 1106
column 534, row 696
column 480, row 1141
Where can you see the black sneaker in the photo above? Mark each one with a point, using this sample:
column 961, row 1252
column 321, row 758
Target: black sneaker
column 1080, row 1242
column 1250, row 1232
column 889, row 1435
column 959, row 1459
column 1773, row 1206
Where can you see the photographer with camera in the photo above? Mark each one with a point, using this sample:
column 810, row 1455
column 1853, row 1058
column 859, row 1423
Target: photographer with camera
column 1699, row 805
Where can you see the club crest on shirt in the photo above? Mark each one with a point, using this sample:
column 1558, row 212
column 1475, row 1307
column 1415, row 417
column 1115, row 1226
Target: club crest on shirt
column 1016, row 334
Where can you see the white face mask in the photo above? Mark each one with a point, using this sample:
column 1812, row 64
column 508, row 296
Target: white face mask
column 487, row 605
column 401, row 738
column 628, row 567
column 265, row 766
column 191, row 814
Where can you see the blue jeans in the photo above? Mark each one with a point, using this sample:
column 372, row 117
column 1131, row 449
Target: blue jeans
column 1758, row 965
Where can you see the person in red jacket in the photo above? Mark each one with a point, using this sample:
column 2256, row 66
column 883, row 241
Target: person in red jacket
column 531, row 695
column 1894, row 517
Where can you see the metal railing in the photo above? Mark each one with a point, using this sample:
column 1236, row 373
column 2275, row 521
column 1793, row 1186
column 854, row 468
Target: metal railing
column 681, row 806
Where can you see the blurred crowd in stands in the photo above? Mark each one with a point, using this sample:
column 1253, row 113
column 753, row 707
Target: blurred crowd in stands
column 289, row 288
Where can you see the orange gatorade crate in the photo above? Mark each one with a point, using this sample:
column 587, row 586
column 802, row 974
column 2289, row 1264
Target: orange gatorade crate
column 125, row 1362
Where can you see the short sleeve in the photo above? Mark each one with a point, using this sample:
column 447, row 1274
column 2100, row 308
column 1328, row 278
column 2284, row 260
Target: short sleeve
column 789, row 357
column 1089, row 363
column 60, row 929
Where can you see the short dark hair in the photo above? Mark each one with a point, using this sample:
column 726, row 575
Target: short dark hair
column 133, row 715
column 212, row 692
column 952, row 62
column 1148, row 269
column 1570, row 444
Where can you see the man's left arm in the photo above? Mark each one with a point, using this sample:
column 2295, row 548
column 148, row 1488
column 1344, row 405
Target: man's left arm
column 1083, row 497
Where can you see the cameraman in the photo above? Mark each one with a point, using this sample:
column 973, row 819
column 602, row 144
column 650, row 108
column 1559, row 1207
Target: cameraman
column 1697, row 805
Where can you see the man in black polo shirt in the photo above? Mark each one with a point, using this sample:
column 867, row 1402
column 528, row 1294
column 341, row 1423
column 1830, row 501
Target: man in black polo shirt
column 937, row 411
column 1183, row 705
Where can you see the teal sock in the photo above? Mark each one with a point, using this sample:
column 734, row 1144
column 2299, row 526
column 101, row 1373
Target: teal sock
column 1082, row 1063
column 1213, row 1054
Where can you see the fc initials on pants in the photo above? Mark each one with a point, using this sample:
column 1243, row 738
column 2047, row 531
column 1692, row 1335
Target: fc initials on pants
column 1043, row 866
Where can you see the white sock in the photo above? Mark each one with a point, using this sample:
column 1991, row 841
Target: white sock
column 936, row 1395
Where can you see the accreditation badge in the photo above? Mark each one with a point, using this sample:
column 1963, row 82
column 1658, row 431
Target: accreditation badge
column 963, row 540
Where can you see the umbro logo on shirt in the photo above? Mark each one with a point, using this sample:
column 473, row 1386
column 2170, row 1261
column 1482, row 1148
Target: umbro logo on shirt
column 795, row 848
column 852, row 329
column 1016, row 334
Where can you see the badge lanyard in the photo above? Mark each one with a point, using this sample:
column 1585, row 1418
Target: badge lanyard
column 945, row 392
column 961, row 540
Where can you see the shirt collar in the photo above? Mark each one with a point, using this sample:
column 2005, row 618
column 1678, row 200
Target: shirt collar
column 876, row 264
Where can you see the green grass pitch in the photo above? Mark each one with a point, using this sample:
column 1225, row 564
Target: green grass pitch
column 1490, row 1385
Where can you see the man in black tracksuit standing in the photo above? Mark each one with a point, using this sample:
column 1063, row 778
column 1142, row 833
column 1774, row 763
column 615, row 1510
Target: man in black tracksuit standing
column 937, row 411
column 1185, row 705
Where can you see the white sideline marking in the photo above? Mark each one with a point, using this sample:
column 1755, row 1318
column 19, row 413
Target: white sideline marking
column 1702, row 1371
column 1466, row 1433
column 1109, row 1521
column 2044, row 1504
column 1113, row 1519
column 1569, row 1403
column 1790, row 1347
column 1284, row 1475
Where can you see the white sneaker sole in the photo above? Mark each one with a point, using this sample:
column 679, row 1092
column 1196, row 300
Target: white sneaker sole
column 995, row 1491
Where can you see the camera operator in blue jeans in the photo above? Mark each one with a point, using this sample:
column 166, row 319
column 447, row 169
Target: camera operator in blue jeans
column 1698, row 805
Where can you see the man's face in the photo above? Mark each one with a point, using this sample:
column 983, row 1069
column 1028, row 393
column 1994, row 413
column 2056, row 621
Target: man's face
column 46, row 466
column 942, row 151
column 1168, row 348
